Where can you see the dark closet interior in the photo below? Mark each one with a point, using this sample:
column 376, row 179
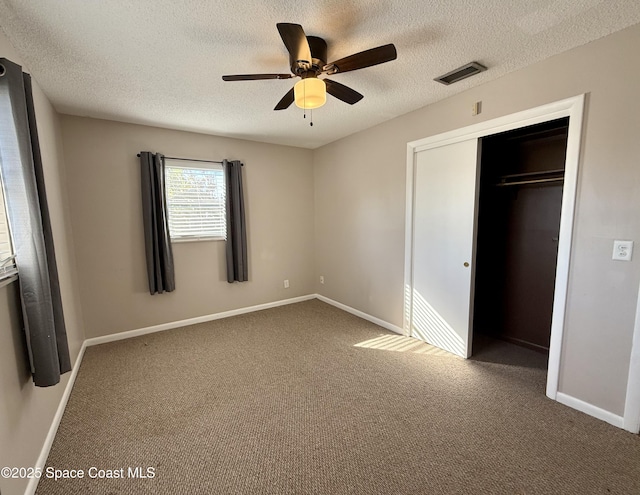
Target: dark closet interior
column 521, row 183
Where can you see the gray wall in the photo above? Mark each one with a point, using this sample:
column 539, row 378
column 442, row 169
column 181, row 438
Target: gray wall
column 360, row 205
column 104, row 195
column 26, row 412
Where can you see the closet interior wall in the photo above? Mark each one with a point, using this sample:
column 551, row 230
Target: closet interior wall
column 520, row 199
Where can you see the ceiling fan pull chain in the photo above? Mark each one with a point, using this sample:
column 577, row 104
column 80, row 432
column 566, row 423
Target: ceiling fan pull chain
column 311, row 112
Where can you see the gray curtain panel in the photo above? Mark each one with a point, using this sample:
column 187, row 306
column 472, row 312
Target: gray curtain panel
column 157, row 240
column 237, row 263
column 22, row 174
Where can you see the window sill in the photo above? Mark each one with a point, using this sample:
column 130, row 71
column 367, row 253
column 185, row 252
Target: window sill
column 8, row 280
column 196, row 239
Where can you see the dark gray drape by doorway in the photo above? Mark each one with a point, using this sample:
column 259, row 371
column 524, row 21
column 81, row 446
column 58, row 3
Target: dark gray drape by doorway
column 156, row 224
column 28, row 213
column 237, row 263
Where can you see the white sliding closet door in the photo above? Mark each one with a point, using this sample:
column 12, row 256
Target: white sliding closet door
column 445, row 198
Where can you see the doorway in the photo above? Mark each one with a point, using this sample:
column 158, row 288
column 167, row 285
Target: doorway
column 456, row 249
column 519, row 207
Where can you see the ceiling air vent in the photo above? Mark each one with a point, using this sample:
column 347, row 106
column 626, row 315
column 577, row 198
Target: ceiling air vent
column 467, row 70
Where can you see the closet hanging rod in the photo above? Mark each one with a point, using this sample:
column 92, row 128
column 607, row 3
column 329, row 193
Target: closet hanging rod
column 530, row 174
column 532, row 181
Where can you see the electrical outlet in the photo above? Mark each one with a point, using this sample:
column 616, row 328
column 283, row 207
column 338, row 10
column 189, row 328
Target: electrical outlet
column 286, row 284
column 622, row 250
column 322, row 279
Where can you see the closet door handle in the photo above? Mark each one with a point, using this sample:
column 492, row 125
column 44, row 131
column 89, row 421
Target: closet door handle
column 466, row 264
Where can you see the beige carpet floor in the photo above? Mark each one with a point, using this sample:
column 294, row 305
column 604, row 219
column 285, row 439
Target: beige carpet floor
column 307, row 399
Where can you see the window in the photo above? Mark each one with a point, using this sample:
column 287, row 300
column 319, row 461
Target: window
column 195, row 200
column 7, row 262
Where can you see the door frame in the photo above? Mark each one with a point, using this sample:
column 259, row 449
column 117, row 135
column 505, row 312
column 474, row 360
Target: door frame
column 574, row 109
column 631, row 421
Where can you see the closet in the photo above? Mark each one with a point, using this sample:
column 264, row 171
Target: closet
column 519, row 204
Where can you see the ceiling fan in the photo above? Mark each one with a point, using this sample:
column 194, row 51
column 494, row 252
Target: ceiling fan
column 308, row 60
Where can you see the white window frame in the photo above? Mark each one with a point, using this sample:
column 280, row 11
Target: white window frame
column 195, row 165
column 8, row 269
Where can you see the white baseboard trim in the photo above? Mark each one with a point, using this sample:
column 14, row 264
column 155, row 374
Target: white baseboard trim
column 590, row 409
column 364, row 316
column 55, row 423
column 192, row 321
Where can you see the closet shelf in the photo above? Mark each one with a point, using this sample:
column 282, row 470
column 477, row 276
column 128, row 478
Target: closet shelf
column 533, row 174
column 530, row 181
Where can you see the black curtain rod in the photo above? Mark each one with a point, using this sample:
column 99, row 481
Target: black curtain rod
column 193, row 160
column 189, row 159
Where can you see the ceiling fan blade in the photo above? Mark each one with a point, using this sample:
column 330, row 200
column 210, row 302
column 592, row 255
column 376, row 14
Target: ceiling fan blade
column 296, row 41
column 256, row 77
column 286, row 101
column 342, row 92
column 367, row 58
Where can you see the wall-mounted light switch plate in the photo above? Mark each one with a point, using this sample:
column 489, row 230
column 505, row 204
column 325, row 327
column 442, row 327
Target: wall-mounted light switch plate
column 622, row 250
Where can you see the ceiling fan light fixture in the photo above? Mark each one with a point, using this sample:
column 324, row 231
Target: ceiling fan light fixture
column 310, row 92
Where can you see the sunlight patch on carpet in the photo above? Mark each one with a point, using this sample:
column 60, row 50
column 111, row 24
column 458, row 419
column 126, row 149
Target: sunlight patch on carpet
column 400, row 343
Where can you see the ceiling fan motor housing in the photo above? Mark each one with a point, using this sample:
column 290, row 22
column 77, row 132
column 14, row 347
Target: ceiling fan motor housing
column 318, row 48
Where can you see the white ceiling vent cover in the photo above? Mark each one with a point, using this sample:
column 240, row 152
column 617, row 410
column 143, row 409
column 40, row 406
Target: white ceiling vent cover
column 467, row 70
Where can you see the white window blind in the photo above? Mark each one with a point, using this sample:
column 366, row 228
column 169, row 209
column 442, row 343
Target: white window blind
column 7, row 263
column 195, row 200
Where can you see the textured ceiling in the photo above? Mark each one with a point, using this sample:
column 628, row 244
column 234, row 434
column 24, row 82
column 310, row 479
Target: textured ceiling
column 160, row 62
